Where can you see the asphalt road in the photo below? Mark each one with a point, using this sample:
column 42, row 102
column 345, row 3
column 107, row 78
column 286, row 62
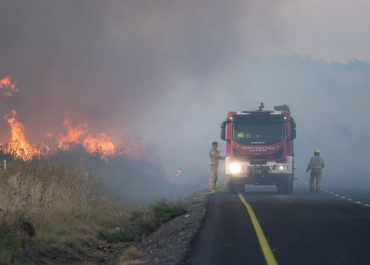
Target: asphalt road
column 330, row 228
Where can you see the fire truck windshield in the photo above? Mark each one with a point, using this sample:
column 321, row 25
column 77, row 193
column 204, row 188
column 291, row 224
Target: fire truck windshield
column 258, row 133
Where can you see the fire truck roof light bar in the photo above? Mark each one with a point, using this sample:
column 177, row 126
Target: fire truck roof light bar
column 282, row 108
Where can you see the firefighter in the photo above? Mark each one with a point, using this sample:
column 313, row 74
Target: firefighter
column 214, row 157
column 316, row 166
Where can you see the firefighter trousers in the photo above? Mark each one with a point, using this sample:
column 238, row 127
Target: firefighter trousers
column 315, row 179
column 212, row 177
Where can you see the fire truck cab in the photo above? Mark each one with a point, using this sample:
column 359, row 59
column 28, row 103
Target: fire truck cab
column 259, row 148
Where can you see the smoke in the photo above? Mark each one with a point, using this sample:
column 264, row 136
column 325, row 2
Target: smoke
column 116, row 58
column 168, row 71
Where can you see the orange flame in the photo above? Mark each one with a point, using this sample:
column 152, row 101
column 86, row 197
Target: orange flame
column 19, row 146
column 102, row 144
column 8, row 86
column 78, row 134
column 74, row 135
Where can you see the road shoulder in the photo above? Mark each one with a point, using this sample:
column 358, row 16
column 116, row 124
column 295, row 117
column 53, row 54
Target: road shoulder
column 171, row 242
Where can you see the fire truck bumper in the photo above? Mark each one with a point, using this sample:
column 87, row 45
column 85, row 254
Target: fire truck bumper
column 259, row 175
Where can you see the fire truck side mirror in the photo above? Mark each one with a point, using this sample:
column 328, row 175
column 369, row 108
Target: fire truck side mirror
column 223, row 130
column 293, row 129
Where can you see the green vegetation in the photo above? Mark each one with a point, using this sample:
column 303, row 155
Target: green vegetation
column 140, row 223
column 165, row 211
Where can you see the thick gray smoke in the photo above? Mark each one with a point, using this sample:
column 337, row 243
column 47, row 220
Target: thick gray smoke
column 113, row 62
column 168, row 71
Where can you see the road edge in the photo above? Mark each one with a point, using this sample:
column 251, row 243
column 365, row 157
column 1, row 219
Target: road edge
column 171, row 243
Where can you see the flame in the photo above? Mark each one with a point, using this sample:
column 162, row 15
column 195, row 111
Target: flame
column 78, row 135
column 7, row 86
column 102, row 144
column 74, row 135
column 19, row 146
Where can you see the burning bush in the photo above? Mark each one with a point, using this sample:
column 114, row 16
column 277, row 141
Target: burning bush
column 76, row 135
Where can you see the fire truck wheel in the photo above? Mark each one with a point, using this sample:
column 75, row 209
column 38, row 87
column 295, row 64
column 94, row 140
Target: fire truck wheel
column 235, row 186
column 241, row 187
column 291, row 179
column 231, row 187
column 285, row 185
column 279, row 187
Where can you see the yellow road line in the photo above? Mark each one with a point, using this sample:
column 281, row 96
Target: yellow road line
column 267, row 252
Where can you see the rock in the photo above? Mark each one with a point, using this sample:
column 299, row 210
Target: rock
column 170, row 243
column 103, row 259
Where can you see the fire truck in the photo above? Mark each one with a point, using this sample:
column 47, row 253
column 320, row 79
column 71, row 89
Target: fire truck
column 259, row 148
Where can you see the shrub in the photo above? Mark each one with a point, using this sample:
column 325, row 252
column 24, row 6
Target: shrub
column 165, row 211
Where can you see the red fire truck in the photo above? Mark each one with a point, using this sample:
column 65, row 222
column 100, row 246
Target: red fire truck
column 259, row 148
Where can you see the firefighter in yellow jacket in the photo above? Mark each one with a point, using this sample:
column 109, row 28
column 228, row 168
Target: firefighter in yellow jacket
column 316, row 166
column 214, row 157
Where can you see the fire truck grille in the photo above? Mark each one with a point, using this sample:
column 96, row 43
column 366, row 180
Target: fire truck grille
column 275, row 156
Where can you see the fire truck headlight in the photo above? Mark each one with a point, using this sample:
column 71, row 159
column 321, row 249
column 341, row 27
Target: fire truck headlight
column 235, row 168
column 282, row 167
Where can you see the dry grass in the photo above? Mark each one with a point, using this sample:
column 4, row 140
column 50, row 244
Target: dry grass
column 131, row 256
column 60, row 201
column 51, row 194
column 65, row 204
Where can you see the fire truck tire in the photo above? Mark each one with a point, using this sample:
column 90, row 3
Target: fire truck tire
column 279, row 187
column 240, row 187
column 288, row 184
column 231, row 187
column 285, row 185
column 235, row 186
column 291, row 186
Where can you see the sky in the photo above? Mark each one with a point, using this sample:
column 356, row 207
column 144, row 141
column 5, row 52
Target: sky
column 331, row 30
column 167, row 71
